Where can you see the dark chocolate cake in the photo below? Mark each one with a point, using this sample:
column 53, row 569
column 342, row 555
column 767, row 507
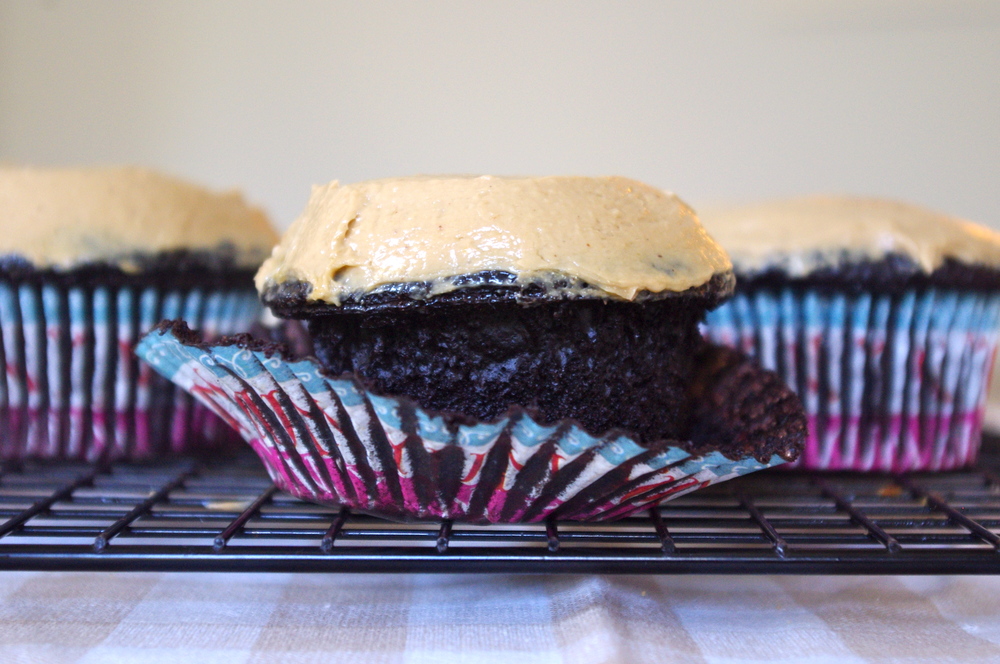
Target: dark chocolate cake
column 180, row 269
column 892, row 273
column 604, row 363
column 494, row 304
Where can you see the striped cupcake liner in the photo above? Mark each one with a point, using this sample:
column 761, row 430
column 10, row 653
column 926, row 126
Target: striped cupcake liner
column 73, row 388
column 890, row 382
column 331, row 441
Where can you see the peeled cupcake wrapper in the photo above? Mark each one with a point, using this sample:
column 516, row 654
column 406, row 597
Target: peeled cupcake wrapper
column 73, row 387
column 332, row 441
column 889, row 382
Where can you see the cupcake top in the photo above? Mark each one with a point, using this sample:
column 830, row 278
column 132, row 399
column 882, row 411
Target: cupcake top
column 606, row 237
column 65, row 218
column 801, row 236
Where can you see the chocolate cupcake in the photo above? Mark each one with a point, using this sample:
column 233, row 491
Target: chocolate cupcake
column 573, row 297
column 881, row 315
column 89, row 260
column 493, row 350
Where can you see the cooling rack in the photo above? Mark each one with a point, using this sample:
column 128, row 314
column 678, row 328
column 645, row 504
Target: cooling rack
column 190, row 515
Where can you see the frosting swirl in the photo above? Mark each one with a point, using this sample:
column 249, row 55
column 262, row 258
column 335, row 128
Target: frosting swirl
column 63, row 218
column 802, row 235
column 617, row 236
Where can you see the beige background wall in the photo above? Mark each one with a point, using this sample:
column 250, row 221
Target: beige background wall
column 715, row 100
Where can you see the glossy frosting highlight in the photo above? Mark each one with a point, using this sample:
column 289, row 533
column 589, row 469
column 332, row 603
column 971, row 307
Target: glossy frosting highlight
column 620, row 236
column 61, row 218
column 801, row 235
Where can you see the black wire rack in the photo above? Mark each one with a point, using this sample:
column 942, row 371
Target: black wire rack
column 229, row 517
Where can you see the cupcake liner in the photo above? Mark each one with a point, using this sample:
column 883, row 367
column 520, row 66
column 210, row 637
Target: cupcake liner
column 332, row 441
column 74, row 389
column 890, row 382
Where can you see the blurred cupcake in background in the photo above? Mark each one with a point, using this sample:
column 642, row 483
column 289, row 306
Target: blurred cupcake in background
column 883, row 317
column 90, row 259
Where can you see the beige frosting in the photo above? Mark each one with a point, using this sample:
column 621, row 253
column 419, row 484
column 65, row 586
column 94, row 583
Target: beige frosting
column 619, row 236
column 801, row 235
column 60, row 218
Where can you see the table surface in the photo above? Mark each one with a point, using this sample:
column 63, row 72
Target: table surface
column 231, row 618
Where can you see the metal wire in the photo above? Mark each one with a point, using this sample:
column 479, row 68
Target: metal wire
column 44, row 504
column 237, row 524
column 666, row 541
column 780, row 546
column 230, row 517
column 937, row 502
column 326, row 545
column 101, row 541
column 842, row 503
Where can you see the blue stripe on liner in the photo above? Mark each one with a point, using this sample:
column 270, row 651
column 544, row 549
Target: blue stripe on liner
column 307, row 374
column 721, row 317
column 668, row 457
column 29, row 307
column 346, row 392
column 431, row 428
column 387, row 410
column 530, row 433
column 241, row 361
column 480, row 434
column 576, row 440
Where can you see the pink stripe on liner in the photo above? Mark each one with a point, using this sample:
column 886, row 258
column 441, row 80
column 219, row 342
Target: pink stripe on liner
column 811, row 454
column 830, row 441
column 684, row 486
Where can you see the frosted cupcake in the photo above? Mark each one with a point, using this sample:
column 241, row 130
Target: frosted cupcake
column 883, row 317
column 493, row 350
column 89, row 260
column 576, row 297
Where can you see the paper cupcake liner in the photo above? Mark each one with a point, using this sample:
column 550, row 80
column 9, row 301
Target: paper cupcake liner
column 889, row 382
column 73, row 388
column 332, row 441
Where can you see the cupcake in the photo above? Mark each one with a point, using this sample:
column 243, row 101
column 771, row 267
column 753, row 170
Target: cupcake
column 574, row 297
column 882, row 316
column 89, row 260
column 493, row 350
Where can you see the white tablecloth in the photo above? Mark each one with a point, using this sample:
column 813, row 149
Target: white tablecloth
column 361, row 619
